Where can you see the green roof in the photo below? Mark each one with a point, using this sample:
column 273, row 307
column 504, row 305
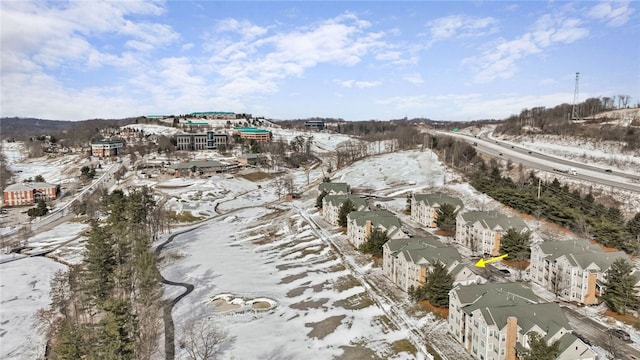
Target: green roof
column 437, row 199
column 196, row 123
column 494, row 219
column 338, row 200
column 581, row 252
column 250, row 130
column 378, row 218
column 334, row 187
column 427, row 250
column 547, row 316
column 497, row 294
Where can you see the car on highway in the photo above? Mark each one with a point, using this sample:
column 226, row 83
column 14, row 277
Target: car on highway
column 620, row 334
column 607, row 170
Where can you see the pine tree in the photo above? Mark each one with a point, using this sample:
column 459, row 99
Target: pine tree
column 516, row 244
column 320, row 198
column 69, row 344
column 100, row 258
column 374, row 243
column 439, row 283
column 633, row 227
column 539, row 350
column 446, row 220
column 346, row 208
column 620, row 294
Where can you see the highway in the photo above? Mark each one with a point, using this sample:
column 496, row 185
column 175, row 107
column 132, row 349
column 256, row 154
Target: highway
column 544, row 162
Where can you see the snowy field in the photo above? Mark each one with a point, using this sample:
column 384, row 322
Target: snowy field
column 153, row 129
column 24, row 289
column 322, row 142
column 54, row 169
column 254, row 249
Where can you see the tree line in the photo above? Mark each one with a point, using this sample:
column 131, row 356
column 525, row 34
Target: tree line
column 109, row 306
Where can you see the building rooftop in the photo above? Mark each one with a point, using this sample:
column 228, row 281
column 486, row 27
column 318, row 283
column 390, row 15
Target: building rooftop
column 437, row 199
column 493, row 220
column 580, row 252
column 334, row 187
column 213, row 113
column 197, row 163
column 28, row 186
column 250, row 130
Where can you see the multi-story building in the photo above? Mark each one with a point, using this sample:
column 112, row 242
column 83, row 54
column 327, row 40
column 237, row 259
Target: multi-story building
column 334, row 188
column 481, row 231
column 208, row 141
column 424, row 207
column 574, row 269
column 494, row 321
column 331, row 205
column 28, row 193
column 360, row 224
column 106, row 148
column 251, row 133
column 314, row 124
column 407, row 262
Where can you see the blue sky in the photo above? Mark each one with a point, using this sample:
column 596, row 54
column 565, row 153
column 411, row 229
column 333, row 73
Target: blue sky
column 453, row 60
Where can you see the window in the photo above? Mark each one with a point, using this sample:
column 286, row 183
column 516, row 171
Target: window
column 484, row 330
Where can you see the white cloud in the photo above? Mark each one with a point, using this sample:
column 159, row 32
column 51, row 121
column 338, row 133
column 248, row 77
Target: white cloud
column 414, row 78
column 500, row 59
column 456, row 26
column 613, row 13
column 357, row 84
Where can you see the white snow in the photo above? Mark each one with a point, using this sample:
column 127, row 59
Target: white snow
column 24, row 289
column 154, row 129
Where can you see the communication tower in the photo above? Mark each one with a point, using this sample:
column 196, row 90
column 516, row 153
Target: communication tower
column 574, row 110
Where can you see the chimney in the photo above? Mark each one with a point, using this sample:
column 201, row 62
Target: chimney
column 512, row 337
column 367, row 228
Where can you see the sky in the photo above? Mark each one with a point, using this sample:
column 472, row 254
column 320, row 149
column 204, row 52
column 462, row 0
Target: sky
column 361, row 60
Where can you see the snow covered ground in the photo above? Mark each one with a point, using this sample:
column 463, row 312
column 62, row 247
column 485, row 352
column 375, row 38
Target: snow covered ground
column 24, row 289
column 257, row 249
column 54, row 169
column 154, row 129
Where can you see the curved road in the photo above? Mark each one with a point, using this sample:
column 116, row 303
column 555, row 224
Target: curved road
column 541, row 161
column 169, row 329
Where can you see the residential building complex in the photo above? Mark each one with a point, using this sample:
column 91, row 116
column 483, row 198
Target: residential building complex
column 495, row 321
column 331, row 205
column 481, row 231
column 407, row 261
column 334, row 188
column 574, row 269
column 360, row 224
column 424, row 207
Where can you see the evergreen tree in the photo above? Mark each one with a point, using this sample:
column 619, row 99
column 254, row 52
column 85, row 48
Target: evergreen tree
column 633, row 227
column 320, row 198
column 116, row 339
column 446, row 220
column 516, row 244
column 375, row 241
column 69, row 345
column 39, row 178
column 41, row 209
column 439, row 283
column 100, row 258
column 539, row 350
column 408, row 206
column 620, row 294
column 346, row 208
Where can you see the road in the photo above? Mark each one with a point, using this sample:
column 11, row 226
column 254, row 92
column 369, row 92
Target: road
column 541, row 161
column 596, row 334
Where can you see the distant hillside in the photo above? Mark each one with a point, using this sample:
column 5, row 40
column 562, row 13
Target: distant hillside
column 25, row 127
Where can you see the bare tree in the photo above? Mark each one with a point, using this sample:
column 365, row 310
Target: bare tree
column 623, row 101
column 202, row 339
column 280, row 185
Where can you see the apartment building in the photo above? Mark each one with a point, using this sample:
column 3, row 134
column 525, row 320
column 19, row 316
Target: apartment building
column 574, row 270
column 494, row 321
column 360, row 224
column 424, row 207
column 481, row 231
column 407, row 261
column 334, row 188
column 331, row 205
